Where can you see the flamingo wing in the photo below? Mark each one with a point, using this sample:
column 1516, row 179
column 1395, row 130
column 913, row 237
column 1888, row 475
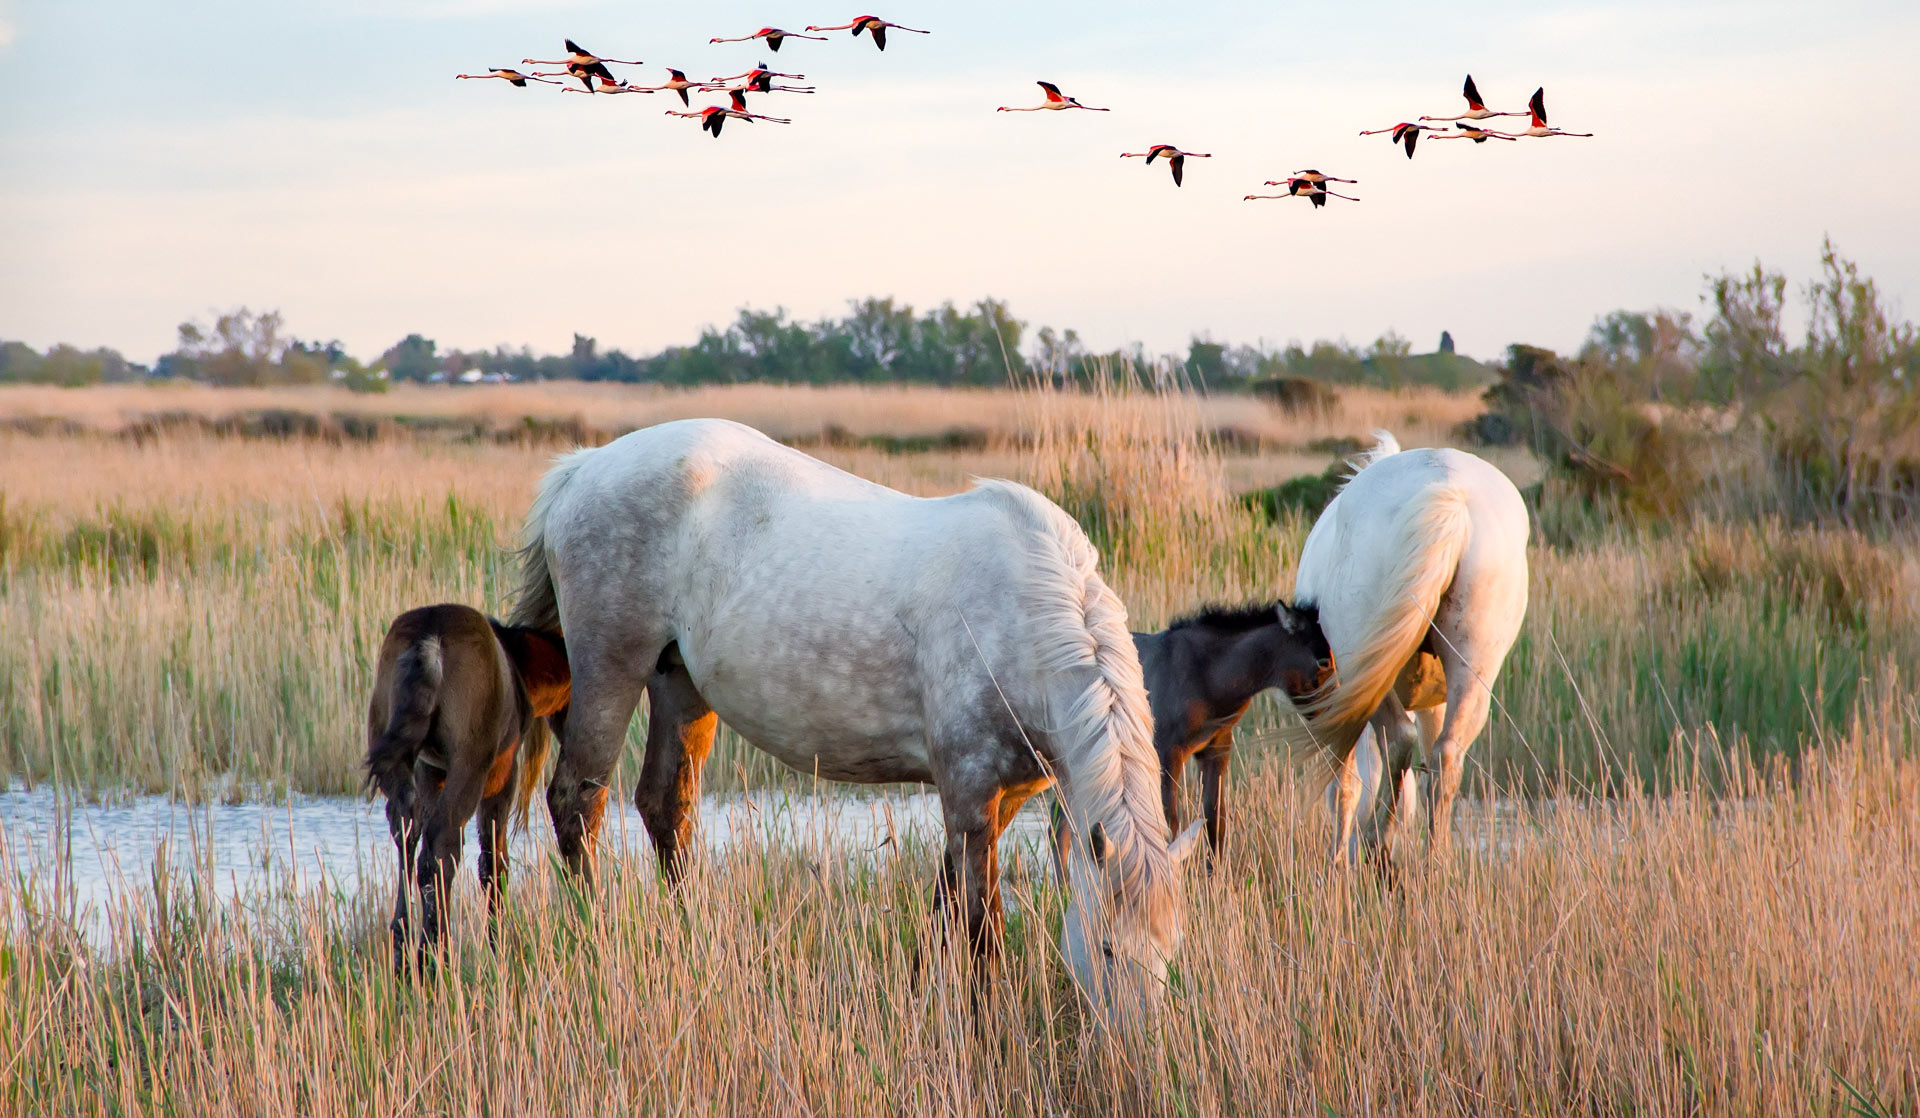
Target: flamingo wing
column 1537, row 105
column 1319, row 197
column 1473, row 95
column 1179, row 164
column 1054, row 96
column 879, row 34
column 1411, row 138
column 576, row 48
column 773, row 39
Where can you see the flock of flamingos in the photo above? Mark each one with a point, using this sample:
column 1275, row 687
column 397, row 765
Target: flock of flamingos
column 594, row 77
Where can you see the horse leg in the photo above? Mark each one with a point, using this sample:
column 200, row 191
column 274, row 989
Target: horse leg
column 970, row 875
column 605, row 693
column 444, row 813
column 1343, row 801
column 680, row 732
column 1173, row 764
column 493, row 838
column 403, row 825
column 1467, row 707
column 1213, row 801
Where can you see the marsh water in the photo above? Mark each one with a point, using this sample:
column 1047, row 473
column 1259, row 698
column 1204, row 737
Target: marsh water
column 84, row 859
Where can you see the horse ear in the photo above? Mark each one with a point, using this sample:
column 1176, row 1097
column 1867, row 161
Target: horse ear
column 1097, row 844
column 1188, row 842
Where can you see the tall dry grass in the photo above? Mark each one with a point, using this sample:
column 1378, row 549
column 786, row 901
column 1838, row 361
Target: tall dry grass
column 198, row 614
column 1676, row 955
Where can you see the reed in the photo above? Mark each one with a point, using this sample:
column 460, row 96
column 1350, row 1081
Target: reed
column 1679, row 954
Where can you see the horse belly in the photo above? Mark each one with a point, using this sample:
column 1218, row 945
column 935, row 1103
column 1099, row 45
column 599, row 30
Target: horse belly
column 843, row 717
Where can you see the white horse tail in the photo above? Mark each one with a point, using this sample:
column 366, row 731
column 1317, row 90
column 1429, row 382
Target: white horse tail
column 1384, row 446
column 1429, row 540
column 536, row 606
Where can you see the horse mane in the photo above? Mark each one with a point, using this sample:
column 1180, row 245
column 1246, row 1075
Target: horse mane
column 1104, row 745
column 1242, row 618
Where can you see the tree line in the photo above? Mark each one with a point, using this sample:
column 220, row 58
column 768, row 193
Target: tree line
column 878, row 341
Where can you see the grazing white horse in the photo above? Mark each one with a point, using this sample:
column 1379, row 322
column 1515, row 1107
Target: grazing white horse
column 1419, row 570
column 862, row 635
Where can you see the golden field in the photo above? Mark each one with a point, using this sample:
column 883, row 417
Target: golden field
column 1685, row 886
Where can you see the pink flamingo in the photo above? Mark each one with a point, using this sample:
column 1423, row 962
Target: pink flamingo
column 1404, row 133
column 1473, row 132
column 1176, row 159
column 1056, row 101
column 1476, row 108
column 1302, row 188
column 581, row 64
column 874, row 25
column 774, row 37
column 516, row 77
column 1538, row 106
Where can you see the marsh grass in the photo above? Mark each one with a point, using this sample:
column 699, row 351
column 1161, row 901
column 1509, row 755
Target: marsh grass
column 1680, row 954
column 197, row 615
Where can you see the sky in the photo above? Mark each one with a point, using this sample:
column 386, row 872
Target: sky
column 159, row 162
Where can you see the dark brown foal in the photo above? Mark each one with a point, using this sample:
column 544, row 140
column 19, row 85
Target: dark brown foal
column 1203, row 672
column 455, row 696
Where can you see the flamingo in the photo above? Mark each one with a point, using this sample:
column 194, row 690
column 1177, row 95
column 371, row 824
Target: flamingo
column 676, row 83
column 755, row 73
column 1405, row 133
column 1537, row 105
column 607, row 85
column 1473, row 132
column 773, row 35
column 516, row 77
column 1055, row 101
column 581, row 63
column 1476, row 108
column 713, row 116
column 1312, row 176
column 1302, row 188
column 762, row 82
column 873, row 24
column 1176, row 159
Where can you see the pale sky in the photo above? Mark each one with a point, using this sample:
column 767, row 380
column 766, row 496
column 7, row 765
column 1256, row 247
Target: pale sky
column 161, row 160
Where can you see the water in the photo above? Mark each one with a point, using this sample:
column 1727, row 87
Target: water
column 96, row 858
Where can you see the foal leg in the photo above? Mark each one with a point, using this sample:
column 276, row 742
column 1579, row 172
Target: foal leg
column 680, row 733
column 605, row 692
column 444, row 814
column 493, row 836
column 405, row 829
column 1213, row 801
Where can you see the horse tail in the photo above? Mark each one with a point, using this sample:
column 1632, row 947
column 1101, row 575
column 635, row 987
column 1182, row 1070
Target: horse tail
column 417, row 673
column 1384, row 446
column 535, row 746
column 1429, row 540
column 536, row 605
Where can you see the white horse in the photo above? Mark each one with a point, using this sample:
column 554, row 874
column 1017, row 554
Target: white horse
column 863, row 635
column 1419, row 570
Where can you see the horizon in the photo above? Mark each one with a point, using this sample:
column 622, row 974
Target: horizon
column 412, row 203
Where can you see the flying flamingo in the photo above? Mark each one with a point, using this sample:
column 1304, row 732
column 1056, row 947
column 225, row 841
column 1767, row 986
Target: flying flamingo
column 676, row 83
column 1055, row 101
column 1476, row 108
column 773, row 35
column 1405, row 133
column 1311, row 176
column 516, row 77
column 607, row 85
column 713, row 116
column 873, row 24
column 1473, row 132
column 1302, row 188
column 581, row 64
column 756, row 72
column 1175, row 158
column 1538, row 106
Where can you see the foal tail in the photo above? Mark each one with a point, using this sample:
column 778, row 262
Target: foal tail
column 415, row 689
column 1428, row 541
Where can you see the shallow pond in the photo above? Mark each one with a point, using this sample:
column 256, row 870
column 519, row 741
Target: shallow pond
column 89, row 858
